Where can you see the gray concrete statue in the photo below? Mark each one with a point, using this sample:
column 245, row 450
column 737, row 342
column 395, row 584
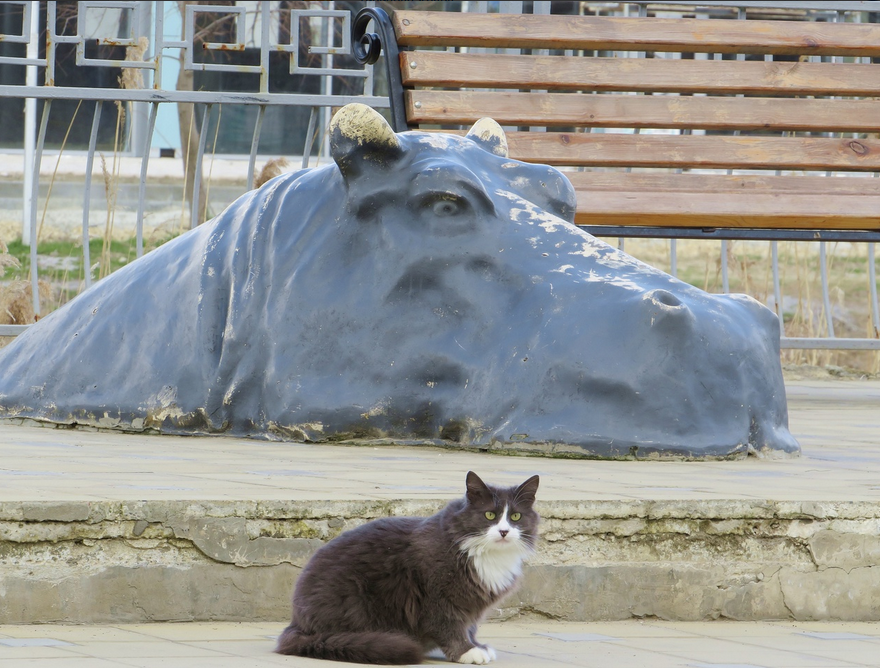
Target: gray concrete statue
column 423, row 288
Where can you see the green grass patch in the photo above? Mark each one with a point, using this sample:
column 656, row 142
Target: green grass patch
column 64, row 258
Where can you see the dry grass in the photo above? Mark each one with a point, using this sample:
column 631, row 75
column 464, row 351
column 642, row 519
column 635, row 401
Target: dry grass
column 271, row 169
column 16, row 303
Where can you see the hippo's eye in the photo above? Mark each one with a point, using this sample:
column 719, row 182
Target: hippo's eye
column 490, row 515
column 443, row 208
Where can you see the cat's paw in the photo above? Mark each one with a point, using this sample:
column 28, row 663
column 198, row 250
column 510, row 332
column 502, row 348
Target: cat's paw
column 491, row 652
column 477, row 655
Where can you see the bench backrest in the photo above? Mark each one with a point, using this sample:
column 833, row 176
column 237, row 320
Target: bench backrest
column 687, row 107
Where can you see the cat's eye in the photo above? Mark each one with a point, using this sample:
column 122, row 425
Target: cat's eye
column 515, row 517
column 490, row 515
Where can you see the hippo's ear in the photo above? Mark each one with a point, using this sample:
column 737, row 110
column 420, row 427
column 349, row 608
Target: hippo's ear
column 358, row 133
column 488, row 134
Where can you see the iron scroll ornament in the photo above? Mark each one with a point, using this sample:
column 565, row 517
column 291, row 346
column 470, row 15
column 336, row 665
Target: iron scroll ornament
column 367, row 48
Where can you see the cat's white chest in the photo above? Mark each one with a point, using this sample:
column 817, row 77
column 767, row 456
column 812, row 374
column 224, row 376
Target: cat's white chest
column 496, row 569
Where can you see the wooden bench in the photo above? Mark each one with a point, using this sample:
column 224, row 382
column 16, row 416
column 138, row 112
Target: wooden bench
column 637, row 128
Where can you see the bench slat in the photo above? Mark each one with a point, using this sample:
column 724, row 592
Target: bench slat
column 701, row 151
column 441, row 68
column 751, row 209
column 734, row 184
column 416, row 28
column 643, row 111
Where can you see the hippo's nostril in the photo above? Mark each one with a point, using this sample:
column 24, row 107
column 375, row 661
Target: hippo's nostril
column 663, row 297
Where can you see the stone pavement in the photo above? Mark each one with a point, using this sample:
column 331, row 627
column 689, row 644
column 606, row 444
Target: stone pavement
column 836, row 422
column 523, row 644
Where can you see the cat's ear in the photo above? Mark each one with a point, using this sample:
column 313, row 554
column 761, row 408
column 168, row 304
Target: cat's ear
column 476, row 488
column 525, row 493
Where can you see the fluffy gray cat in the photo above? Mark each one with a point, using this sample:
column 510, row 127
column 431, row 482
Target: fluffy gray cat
column 395, row 588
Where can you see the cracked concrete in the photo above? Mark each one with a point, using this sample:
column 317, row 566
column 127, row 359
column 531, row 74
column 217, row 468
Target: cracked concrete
column 600, row 560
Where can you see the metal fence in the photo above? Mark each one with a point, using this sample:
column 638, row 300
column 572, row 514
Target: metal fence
column 265, row 44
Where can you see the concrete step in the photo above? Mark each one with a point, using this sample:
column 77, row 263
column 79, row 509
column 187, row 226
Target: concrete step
column 100, row 527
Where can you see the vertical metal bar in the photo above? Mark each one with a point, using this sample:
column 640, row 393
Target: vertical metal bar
column 875, row 305
column 255, row 143
column 310, row 137
column 823, row 255
column 510, row 7
column 30, row 24
column 35, row 191
column 264, row 47
column 327, row 84
column 139, row 112
column 142, row 188
column 90, row 161
column 725, row 277
column 50, row 43
column 158, row 44
column 643, row 12
column 540, row 8
column 826, row 299
column 197, row 178
column 370, row 79
column 673, row 257
column 777, row 291
column 725, row 283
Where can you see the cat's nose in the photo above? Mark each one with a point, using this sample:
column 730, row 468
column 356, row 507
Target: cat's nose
column 503, row 532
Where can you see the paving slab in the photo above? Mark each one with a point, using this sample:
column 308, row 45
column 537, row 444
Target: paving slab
column 837, row 424
column 526, row 643
column 103, row 527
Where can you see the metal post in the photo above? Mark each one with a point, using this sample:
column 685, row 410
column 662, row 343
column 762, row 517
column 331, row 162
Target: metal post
column 32, row 25
column 777, row 291
column 139, row 111
column 255, row 142
column 875, row 305
column 90, row 161
column 34, row 194
column 142, row 187
column 327, row 82
column 310, row 137
column 725, row 284
column 197, row 178
column 826, row 299
column 265, row 19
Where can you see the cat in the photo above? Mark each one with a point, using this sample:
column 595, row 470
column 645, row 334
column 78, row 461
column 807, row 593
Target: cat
column 393, row 589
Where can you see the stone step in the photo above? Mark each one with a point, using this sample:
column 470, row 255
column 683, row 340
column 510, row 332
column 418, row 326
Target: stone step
column 101, row 527
column 106, row 562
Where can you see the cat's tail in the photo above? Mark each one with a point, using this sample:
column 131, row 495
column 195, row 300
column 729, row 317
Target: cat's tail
column 367, row 647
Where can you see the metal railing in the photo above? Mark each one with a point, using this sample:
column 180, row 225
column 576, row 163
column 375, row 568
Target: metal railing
column 253, row 27
column 146, row 20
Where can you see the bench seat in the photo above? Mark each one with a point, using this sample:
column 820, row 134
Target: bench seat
column 661, row 124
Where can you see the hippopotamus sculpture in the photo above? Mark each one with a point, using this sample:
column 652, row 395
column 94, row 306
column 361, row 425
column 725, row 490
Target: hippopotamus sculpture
column 423, row 288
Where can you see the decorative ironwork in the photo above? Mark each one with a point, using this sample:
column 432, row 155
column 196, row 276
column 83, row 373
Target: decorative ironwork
column 344, row 49
column 367, row 48
column 240, row 17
